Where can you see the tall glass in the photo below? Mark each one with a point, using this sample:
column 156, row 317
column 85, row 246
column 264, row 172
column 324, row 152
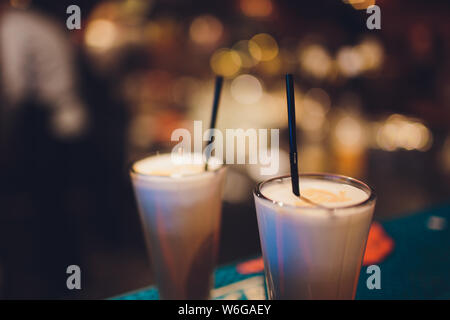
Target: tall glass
column 313, row 252
column 181, row 217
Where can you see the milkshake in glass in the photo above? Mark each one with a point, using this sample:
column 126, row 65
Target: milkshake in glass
column 313, row 249
column 180, row 208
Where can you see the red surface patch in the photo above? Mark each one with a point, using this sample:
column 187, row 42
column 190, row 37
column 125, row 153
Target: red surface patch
column 251, row 266
column 379, row 245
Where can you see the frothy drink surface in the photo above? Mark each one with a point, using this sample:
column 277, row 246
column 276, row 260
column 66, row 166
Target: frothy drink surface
column 163, row 165
column 326, row 193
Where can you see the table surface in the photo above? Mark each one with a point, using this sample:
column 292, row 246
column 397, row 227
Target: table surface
column 417, row 265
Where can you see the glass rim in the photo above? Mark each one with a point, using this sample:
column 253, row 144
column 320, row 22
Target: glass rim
column 156, row 153
column 324, row 176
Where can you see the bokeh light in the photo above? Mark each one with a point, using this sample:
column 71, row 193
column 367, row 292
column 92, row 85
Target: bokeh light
column 400, row 132
column 350, row 61
column 256, row 8
column 263, row 47
column 206, row 30
column 314, row 107
column 246, row 89
column 242, row 48
column 315, row 60
column 372, row 54
column 225, row 62
column 349, row 132
column 101, row 34
column 349, row 141
column 360, row 4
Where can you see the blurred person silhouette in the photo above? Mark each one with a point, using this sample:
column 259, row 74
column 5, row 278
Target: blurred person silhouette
column 43, row 124
column 64, row 187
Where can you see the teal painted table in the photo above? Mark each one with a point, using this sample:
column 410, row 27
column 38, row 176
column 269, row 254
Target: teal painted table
column 417, row 268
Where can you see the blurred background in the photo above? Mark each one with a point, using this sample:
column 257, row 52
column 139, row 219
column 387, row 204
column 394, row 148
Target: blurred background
column 78, row 106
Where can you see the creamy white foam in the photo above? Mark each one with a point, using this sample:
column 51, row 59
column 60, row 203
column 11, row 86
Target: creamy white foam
column 173, row 166
column 326, row 193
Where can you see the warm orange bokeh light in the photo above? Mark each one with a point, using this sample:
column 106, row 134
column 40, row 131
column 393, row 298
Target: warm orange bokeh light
column 256, row 8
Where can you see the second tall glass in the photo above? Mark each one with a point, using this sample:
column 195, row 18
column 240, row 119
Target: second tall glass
column 313, row 252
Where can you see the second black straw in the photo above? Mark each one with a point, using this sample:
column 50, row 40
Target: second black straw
column 292, row 134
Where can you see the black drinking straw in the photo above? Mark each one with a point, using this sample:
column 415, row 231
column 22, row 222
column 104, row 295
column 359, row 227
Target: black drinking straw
column 292, row 133
column 215, row 107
